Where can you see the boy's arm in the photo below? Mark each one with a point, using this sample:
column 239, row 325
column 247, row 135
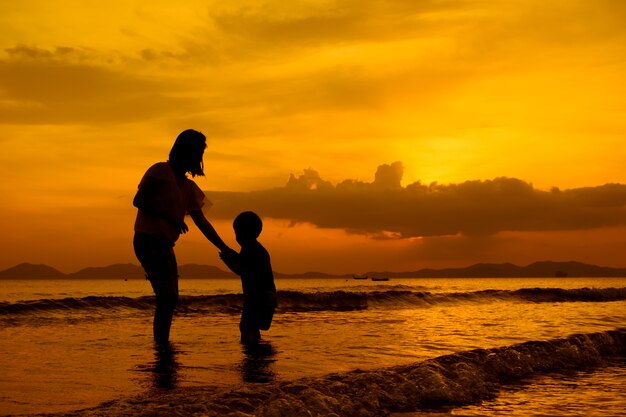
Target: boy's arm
column 243, row 263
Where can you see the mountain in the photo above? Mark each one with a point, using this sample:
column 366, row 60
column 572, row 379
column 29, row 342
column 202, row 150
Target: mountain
column 574, row 269
column 203, row 271
column 124, row 271
column 507, row 270
column 482, row 270
column 309, row 275
column 26, row 271
column 115, row 271
column 132, row 271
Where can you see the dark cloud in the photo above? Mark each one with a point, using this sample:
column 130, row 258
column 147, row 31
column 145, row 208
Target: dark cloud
column 34, row 53
column 482, row 31
column 385, row 209
column 67, row 85
column 279, row 26
column 271, row 30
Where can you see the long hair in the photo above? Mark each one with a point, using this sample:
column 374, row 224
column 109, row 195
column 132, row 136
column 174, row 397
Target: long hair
column 186, row 154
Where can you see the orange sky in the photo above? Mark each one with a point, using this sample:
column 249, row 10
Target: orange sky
column 303, row 103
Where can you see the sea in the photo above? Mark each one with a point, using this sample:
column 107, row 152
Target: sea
column 406, row 347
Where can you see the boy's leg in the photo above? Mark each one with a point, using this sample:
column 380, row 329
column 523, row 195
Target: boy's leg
column 256, row 335
column 244, row 330
column 249, row 332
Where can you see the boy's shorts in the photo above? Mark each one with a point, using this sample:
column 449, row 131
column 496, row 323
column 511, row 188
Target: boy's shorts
column 158, row 260
column 257, row 315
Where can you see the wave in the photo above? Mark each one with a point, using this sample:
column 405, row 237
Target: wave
column 295, row 301
column 70, row 303
column 441, row 383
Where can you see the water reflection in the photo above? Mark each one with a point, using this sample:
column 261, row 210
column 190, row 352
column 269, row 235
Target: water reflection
column 164, row 369
column 258, row 362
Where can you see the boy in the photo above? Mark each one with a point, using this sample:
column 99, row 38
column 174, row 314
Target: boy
column 253, row 265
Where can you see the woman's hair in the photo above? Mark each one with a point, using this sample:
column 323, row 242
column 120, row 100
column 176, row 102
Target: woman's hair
column 186, row 154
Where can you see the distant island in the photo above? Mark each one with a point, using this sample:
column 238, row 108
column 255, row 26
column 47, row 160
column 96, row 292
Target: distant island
column 121, row 271
column 542, row 269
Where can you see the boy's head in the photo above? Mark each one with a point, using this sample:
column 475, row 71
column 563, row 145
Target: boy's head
column 248, row 226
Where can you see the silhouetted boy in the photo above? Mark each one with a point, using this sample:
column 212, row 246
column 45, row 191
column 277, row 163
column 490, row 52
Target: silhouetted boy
column 253, row 265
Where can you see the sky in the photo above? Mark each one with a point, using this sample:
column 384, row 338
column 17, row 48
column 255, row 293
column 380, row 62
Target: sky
column 387, row 135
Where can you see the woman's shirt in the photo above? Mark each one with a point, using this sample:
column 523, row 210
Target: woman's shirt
column 175, row 197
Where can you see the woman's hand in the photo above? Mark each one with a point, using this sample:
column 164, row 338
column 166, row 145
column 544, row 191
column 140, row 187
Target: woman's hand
column 230, row 257
column 180, row 225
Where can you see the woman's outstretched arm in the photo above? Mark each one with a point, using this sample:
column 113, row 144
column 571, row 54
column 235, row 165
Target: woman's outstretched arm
column 208, row 230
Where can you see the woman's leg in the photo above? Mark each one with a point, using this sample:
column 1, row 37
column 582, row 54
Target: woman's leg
column 165, row 287
column 158, row 260
column 163, row 314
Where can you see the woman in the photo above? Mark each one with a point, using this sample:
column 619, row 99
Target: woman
column 164, row 197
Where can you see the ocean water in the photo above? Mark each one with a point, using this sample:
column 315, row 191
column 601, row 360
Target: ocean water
column 405, row 347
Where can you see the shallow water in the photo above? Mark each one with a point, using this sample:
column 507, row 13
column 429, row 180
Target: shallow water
column 589, row 393
column 68, row 356
column 599, row 392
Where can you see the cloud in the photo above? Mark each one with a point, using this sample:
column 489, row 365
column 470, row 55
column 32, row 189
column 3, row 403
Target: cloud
column 280, row 25
column 474, row 32
column 65, row 84
column 558, row 34
column 339, row 57
column 385, row 209
column 60, row 52
column 270, row 31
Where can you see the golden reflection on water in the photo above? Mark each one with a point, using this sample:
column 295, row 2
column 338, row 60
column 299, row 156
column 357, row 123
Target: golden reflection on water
column 165, row 367
column 64, row 360
column 257, row 363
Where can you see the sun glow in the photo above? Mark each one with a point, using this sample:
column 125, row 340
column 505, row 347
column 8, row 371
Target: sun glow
column 90, row 97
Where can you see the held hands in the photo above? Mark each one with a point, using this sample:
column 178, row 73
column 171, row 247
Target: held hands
column 230, row 257
column 228, row 252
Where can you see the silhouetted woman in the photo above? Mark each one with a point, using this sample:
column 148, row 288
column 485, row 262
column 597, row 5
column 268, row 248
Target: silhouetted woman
column 164, row 197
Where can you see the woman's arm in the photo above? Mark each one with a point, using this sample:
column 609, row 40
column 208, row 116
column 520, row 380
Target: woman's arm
column 208, row 230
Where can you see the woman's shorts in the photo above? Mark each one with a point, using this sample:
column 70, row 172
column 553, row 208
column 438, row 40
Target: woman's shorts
column 157, row 258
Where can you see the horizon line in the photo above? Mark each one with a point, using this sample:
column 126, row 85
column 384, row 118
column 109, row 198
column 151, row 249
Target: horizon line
column 327, row 273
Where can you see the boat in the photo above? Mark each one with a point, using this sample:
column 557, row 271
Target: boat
column 380, row 279
column 359, row 276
